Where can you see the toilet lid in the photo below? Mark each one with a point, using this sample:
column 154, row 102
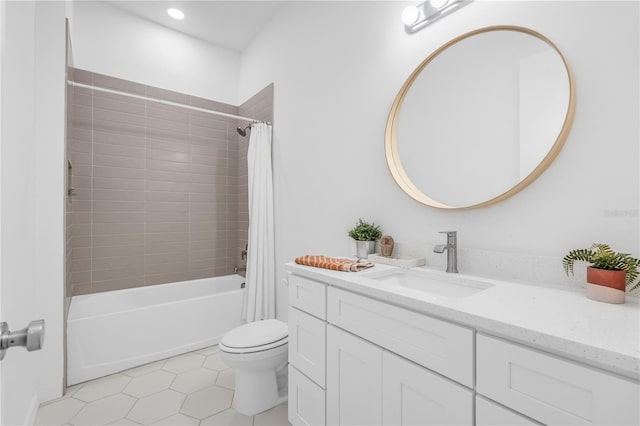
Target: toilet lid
column 255, row 334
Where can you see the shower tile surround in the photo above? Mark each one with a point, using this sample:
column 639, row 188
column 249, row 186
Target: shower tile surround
column 160, row 191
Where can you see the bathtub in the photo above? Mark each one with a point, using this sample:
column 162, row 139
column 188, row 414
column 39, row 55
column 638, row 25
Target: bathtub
column 113, row 331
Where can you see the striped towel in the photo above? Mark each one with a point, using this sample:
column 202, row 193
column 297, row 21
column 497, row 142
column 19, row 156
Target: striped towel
column 334, row 263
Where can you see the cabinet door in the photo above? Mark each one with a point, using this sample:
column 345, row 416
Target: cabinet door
column 354, row 380
column 489, row 413
column 307, row 337
column 553, row 390
column 306, row 400
column 413, row 395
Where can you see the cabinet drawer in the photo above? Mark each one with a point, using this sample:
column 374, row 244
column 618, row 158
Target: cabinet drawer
column 412, row 395
column 432, row 343
column 308, row 295
column 306, row 400
column 307, row 340
column 553, row 390
column 488, row 413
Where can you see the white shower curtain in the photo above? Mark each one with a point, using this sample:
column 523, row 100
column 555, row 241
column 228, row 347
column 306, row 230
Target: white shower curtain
column 260, row 294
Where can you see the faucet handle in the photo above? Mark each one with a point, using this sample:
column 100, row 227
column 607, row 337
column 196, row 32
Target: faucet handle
column 452, row 236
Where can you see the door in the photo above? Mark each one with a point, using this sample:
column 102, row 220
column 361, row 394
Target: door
column 354, row 380
column 413, row 395
column 31, row 199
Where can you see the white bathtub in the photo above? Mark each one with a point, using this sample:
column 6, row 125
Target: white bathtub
column 113, row 331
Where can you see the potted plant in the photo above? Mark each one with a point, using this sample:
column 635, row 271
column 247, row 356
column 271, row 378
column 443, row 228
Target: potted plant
column 610, row 272
column 366, row 234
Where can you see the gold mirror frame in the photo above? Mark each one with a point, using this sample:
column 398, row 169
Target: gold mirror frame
column 391, row 146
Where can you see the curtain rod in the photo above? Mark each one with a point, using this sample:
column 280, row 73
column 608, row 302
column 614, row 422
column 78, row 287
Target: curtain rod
column 161, row 101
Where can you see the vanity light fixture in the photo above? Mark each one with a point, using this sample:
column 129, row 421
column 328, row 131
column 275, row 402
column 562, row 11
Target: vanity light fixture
column 175, row 13
column 419, row 16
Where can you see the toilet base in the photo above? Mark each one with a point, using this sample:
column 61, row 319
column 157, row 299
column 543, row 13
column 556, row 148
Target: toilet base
column 255, row 392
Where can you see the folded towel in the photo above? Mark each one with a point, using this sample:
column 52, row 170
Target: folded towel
column 334, row 263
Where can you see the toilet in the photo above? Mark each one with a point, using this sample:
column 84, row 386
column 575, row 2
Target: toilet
column 258, row 353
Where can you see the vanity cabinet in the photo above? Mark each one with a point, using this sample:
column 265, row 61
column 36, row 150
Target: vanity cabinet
column 553, row 390
column 364, row 361
column 435, row 344
column 355, row 360
column 307, row 351
column 367, row 385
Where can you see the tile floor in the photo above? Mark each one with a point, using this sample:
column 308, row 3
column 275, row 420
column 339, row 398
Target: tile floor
column 192, row 389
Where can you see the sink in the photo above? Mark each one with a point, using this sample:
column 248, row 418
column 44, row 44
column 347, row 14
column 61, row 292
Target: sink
column 450, row 285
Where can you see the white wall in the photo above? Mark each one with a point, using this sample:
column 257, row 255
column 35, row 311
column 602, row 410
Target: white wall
column 109, row 41
column 337, row 67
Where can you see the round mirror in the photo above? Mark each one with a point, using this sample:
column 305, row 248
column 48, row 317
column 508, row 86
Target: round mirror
column 480, row 118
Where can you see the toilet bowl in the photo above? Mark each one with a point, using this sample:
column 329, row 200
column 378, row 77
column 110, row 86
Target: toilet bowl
column 256, row 351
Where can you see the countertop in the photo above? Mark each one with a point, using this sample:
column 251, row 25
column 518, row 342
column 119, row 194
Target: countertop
column 558, row 320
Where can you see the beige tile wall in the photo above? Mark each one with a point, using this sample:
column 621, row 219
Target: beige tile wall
column 157, row 188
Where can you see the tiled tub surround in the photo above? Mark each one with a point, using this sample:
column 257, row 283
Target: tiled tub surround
column 157, row 188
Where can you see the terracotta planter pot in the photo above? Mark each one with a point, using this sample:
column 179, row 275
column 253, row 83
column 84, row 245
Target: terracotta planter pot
column 606, row 286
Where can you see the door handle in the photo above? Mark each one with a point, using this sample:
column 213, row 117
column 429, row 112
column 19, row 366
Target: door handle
column 31, row 337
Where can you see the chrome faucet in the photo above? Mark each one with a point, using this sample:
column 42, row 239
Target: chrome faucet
column 452, row 250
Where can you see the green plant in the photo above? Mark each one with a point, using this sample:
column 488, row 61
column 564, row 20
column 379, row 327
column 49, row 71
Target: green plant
column 601, row 256
column 365, row 231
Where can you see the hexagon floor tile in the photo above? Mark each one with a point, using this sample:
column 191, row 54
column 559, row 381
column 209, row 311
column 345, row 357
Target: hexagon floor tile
column 207, row 402
column 196, row 388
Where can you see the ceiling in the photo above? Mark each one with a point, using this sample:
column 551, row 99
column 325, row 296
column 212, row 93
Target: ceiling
column 229, row 24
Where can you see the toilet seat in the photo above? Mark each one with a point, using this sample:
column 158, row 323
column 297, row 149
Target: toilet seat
column 255, row 337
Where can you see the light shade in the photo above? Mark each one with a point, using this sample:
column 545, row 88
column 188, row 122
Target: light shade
column 175, row 13
column 419, row 16
column 410, row 15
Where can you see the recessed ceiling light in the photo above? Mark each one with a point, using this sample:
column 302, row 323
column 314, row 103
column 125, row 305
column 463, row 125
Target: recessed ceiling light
column 175, row 13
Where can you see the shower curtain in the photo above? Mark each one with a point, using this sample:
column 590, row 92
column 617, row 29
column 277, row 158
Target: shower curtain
column 260, row 279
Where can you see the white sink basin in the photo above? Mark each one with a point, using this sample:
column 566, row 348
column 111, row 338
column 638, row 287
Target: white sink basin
column 450, row 285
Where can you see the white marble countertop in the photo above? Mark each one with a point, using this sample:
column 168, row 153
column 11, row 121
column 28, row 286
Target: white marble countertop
column 557, row 320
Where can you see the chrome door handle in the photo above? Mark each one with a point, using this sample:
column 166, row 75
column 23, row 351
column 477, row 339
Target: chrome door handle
column 31, row 337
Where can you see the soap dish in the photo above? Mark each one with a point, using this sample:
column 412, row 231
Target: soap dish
column 401, row 261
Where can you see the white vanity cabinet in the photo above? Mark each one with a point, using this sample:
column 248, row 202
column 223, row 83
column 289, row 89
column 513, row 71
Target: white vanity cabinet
column 372, row 382
column 307, row 351
column 356, row 360
column 553, row 390
column 375, row 356
column 367, row 385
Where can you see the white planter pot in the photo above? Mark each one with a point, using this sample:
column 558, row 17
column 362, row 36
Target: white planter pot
column 365, row 248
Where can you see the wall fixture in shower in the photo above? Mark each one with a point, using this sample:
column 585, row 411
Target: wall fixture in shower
column 71, row 191
column 419, row 16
